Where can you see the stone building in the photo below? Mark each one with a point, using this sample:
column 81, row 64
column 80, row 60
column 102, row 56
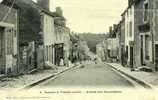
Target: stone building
column 62, row 38
column 8, row 38
column 132, row 18
column 48, row 33
column 141, row 33
column 100, row 51
column 113, row 44
column 123, row 53
column 74, row 48
column 36, row 35
column 29, row 27
column 148, row 36
column 129, row 33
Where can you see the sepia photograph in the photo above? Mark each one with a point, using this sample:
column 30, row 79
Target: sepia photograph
column 62, row 49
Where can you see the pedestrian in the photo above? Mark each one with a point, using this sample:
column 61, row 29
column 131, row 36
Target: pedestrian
column 61, row 62
column 95, row 60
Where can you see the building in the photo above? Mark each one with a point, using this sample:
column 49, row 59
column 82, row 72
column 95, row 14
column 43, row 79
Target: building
column 74, row 48
column 105, row 46
column 128, row 15
column 100, row 51
column 62, row 38
column 113, row 44
column 29, row 27
column 140, row 21
column 8, row 38
column 131, row 18
column 36, row 36
column 148, row 36
column 123, row 54
column 48, row 33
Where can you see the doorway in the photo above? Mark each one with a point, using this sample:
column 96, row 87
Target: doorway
column 58, row 53
column 2, row 51
column 156, row 57
column 142, row 55
column 131, row 57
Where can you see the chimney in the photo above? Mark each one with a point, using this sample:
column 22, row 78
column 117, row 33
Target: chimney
column 110, row 29
column 44, row 3
column 115, row 26
column 59, row 11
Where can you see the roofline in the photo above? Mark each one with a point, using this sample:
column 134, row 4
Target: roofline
column 134, row 2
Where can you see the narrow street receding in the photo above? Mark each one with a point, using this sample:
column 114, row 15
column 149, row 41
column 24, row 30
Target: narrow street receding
column 95, row 75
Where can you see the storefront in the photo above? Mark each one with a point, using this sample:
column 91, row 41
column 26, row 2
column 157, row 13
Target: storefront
column 58, row 53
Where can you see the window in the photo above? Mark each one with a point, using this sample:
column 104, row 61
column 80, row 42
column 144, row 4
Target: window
column 131, row 11
column 146, row 7
column 130, row 29
column 1, row 41
column 127, row 30
column 9, row 38
column 14, row 33
column 47, row 53
column 126, row 55
column 147, row 45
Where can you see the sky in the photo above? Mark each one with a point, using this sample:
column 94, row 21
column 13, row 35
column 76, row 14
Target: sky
column 91, row 15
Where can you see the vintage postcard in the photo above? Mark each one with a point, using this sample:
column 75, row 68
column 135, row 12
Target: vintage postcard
column 78, row 49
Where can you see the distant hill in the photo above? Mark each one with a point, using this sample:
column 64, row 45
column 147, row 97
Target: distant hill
column 92, row 39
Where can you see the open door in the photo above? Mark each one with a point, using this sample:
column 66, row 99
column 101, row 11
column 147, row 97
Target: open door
column 131, row 57
column 156, row 57
column 2, row 51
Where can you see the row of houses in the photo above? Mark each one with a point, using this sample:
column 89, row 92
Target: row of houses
column 31, row 36
column 136, row 35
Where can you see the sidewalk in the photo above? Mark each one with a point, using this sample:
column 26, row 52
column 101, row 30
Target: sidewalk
column 150, row 78
column 24, row 80
column 2, row 76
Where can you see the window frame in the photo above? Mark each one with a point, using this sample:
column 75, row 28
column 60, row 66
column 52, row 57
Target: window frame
column 145, row 11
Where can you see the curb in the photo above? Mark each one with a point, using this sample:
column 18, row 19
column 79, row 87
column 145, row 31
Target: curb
column 46, row 78
column 141, row 82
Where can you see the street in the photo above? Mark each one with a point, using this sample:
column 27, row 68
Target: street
column 89, row 75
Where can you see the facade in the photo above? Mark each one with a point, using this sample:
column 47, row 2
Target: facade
column 105, row 45
column 8, row 39
column 29, row 27
column 62, row 39
column 36, row 36
column 32, row 37
column 123, row 54
column 128, row 15
column 132, row 18
column 140, row 21
column 148, row 34
column 48, row 33
column 100, row 51
column 74, row 48
column 113, row 44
